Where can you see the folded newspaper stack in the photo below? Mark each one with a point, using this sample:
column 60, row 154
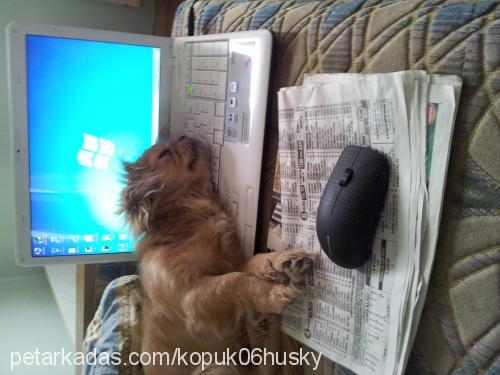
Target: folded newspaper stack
column 366, row 319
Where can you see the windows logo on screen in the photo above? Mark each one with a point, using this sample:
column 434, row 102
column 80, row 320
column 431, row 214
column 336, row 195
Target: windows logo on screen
column 95, row 152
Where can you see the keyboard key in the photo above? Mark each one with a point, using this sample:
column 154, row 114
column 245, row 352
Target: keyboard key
column 221, row 63
column 210, row 108
column 217, row 123
column 220, row 92
column 215, row 92
column 189, row 124
column 196, row 77
column 215, row 164
column 232, row 101
column 215, row 151
column 204, row 49
column 195, row 49
column 220, row 48
column 197, row 131
column 197, row 63
column 222, row 80
column 205, row 107
column 207, row 136
column 189, row 107
column 205, row 91
column 215, row 177
column 220, row 108
column 219, row 137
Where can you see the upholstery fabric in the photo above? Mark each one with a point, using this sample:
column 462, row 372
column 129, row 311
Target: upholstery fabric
column 116, row 327
column 459, row 331
column 460, row 328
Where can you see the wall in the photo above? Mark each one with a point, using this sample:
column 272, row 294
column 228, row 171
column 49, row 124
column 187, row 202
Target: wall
column 83, row 13
column 30, row 320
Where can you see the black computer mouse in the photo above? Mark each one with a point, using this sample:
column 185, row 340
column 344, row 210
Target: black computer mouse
column 351, row 204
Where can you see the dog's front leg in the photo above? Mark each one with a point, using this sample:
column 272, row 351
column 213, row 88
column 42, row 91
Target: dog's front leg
column 264, row 333
column 216, row 296
column 284, row 267
column 288, row 266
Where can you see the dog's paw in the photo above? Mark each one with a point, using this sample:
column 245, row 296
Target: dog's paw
column 296, row 265
column 282, row 267
column 293, row 266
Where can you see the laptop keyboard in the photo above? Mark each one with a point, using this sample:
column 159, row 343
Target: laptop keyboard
column 206, row 90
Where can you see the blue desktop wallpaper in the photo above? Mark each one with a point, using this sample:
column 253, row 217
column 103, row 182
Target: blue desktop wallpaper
column 90, row 106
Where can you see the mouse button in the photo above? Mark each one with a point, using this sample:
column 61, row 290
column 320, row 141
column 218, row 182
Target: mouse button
column 331, row 190
column 348, row 156
column 352, row 151
column 372, row 171
column 346, row 178
column 328, row 198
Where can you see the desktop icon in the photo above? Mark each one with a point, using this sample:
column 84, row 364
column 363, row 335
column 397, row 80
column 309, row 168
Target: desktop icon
column 123, row 246
column 55, row 251
column 56, row 239
column 89, row 249
column 89, row 238
column 71, row 250
column 122, row 236
column 38, row 239
column 38, row 251
column 106, row 237
column 105, row 248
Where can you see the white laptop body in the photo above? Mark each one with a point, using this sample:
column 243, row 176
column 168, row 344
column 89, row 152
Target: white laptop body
column 70, row 130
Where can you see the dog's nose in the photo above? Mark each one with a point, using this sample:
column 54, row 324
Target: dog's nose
column 182, row 137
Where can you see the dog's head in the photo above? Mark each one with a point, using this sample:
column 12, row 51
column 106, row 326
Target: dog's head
column 162, row 178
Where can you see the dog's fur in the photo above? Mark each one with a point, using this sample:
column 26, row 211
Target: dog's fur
column 199, row 295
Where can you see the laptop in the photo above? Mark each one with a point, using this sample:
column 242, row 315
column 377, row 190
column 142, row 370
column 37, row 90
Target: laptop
column 83, row 101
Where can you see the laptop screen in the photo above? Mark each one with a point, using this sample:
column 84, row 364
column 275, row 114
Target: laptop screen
column 91, row 105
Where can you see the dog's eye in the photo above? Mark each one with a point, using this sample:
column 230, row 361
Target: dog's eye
column 165, row 152
column 191, row 165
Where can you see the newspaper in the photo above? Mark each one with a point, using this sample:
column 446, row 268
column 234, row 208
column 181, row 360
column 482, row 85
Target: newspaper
column 364, row 319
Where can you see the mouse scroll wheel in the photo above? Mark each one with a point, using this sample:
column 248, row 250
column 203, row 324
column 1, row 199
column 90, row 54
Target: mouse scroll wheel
column 344, row 181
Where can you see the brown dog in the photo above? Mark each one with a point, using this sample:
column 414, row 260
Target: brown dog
column 199, row 295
